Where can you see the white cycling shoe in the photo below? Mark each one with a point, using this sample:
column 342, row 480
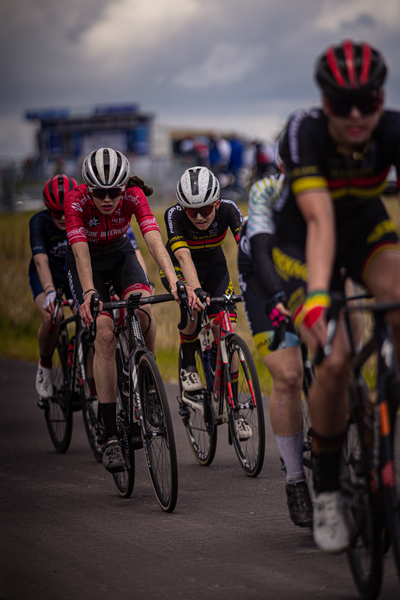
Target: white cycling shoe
column 190, row 379
column 44, row 382
column 243, row 429
column 331, row 531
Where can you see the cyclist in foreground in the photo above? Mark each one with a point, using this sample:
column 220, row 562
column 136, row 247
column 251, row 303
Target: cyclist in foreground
column 197, row 226
column 48, row 240
column 330, row 217
column 98, row 214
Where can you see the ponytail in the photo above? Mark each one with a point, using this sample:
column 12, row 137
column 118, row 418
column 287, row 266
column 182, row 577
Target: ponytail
column 135, row 181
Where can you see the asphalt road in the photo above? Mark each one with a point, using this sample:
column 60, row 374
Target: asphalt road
column 65, row 533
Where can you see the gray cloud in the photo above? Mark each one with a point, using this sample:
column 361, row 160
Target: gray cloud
column 246, row 64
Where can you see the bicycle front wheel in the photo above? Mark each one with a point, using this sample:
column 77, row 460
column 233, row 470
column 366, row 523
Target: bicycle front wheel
column 124, row 480
column 246, row 417
column 90, row 406
column 365, row 551
column 390, row 471
column 58, row 412
column 199, row 421
column 157, row 433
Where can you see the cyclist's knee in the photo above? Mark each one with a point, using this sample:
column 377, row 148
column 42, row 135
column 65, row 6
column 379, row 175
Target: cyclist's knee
column 105, row 337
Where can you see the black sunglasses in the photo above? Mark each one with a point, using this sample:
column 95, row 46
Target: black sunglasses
column 101, row 193
column 57, row 214
column 341, row 107
column 205, row 211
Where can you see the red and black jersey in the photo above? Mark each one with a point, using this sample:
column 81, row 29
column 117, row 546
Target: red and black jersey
column 205, row 246
column 85, row 223
column 316, row 162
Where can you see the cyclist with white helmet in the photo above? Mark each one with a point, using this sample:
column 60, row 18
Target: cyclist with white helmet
column 98, row 214
column 48, row 240
column 197, row 226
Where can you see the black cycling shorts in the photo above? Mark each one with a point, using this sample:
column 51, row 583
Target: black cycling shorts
column 120, row 267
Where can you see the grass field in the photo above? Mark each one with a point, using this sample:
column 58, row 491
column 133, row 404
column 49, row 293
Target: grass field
column 19, row 320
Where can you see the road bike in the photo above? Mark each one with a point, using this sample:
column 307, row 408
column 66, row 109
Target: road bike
column 66, row 375
column 231, row 393
column 370, row 477
column 143, row 415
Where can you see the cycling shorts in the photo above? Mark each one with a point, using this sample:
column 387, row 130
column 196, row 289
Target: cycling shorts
column 362, row 235
column 120, row 267
column 215, row 280
column 254, row 304
column 36, row 286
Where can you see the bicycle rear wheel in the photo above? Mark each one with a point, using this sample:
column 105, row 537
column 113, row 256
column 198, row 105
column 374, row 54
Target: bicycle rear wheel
column 157, row 433
column 365, row 551
column 199, row 424
column 58, row 412
column 90, row 405
column 248, row 405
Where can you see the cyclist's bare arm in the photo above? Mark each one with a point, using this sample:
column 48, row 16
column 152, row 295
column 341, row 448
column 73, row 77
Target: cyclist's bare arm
column 84, row 267
column 317, row 210
column 184, row 258
column 45, row 276
column 158, row 252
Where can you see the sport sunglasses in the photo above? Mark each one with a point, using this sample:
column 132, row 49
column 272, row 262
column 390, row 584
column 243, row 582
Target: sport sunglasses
column 341, row 107
column 205, row 211
column 57, row 214
column 101, row 193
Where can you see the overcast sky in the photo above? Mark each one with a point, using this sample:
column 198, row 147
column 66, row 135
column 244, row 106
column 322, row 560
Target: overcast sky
column 240, row 65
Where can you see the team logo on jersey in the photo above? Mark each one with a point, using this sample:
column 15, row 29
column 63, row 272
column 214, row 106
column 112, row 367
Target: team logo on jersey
column 94, row 221
column 59, row 250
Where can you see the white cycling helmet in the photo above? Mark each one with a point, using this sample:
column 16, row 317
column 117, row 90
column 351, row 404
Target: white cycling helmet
column 197, row 187
column 105, row 168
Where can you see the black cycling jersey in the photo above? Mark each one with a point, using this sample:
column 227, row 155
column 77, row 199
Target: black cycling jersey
column 47, row 238
column 205, row 246
column 316, row 162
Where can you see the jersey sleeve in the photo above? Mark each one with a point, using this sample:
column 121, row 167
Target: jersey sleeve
column 37, row 234
column 236, row 223
column 75, row 210
column 136, row 204
column 304, row 162
column 175, row 231
column 262, row 197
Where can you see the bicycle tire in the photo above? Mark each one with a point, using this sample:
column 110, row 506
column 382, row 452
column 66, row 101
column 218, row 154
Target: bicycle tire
column 58, row 412
column 391, row 486
column 124, row 481
column 250, row 452
column 90, row 404
column 365, row 552
column 157, row 433
column 201, row 431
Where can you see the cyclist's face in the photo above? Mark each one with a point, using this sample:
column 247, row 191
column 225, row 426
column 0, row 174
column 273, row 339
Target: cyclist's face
column 353, row 129
column 59, row 221
column 108, row 205
column 201, row 222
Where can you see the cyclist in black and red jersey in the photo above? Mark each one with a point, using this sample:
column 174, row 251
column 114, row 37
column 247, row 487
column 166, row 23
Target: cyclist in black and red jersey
column 331, row 221
column 197, row 226
column 98, row 214
column 48, row 240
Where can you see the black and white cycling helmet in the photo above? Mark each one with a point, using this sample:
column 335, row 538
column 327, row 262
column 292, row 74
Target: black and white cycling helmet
column 197, row 187
column 105, row 168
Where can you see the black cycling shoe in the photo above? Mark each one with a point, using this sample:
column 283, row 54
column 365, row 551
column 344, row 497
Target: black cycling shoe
column 113, row 459
column 299, row 503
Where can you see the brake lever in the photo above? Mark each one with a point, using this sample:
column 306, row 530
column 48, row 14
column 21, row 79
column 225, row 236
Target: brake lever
column 184, row 305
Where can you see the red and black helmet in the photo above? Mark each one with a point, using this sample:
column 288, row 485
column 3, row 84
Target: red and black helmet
column 56, row 189
column 350, row 69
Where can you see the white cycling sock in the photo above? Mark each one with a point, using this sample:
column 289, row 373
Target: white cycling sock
column 291, row 450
